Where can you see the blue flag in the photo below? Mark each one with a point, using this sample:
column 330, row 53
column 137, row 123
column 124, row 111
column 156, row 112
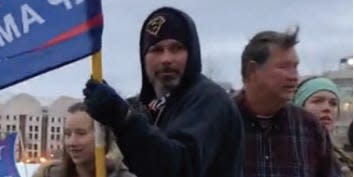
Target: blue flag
column 41, row 35
column 7, row 158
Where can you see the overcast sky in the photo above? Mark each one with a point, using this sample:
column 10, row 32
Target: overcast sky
column 224, row 27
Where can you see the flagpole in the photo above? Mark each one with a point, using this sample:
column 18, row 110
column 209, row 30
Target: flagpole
column 100, row 160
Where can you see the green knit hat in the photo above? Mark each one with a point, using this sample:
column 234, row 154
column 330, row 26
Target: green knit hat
column 312, row 86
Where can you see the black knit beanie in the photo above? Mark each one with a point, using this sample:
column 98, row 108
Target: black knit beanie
column 162, row 26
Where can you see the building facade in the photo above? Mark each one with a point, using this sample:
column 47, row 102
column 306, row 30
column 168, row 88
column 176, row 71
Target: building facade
column 39, row 128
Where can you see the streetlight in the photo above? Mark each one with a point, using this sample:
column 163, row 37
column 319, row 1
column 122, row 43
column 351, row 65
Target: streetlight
column 350, row 61
column 42, row 160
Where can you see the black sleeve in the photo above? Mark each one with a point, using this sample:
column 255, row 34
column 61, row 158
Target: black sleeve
column 206, row 134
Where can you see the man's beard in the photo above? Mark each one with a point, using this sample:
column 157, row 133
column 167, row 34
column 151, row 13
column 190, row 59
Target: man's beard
column 170, row 83
column 166, row 85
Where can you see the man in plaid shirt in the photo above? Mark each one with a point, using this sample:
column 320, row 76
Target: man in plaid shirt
column 281, row 140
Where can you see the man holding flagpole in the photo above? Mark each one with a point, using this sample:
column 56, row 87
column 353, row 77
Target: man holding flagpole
column 182, row 124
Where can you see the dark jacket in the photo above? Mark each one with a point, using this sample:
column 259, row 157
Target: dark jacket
column 198, row 134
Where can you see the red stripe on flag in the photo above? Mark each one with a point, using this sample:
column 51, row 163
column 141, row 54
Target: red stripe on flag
column 93, row 22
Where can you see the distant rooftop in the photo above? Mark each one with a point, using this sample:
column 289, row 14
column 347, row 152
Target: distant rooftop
column 339, row 74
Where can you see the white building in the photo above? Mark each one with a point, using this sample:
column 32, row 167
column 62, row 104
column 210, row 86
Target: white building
column 41, row 127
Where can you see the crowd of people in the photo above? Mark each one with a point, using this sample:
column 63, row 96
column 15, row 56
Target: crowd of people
column 182, row 124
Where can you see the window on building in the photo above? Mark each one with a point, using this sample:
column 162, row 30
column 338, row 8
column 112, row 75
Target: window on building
column 37, row 119
column 15, row 117
column 35, row 154
column 29, row 154
column 29, row 146
column 30, row 118
column 35, row 146
column 36, row 136
column 52, row 119
column 8, row 128
column 58, row 129
column 7, row 117
column 58, row 137
column 52, row 129
column 59, row 119
column 22, row 116
column 51, row 146
column 30, row 136
column 36, row 128
column 13, row 127
column 52, row 137
column 30, row 128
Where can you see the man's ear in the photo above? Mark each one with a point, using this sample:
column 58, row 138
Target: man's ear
column 251, row 68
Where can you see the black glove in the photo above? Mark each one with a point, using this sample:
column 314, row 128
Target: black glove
column 104, row 104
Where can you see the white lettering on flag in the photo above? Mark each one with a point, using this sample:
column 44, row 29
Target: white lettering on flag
column 79, row 1
column 1, row 148
column 29, row 16
column 67, row 3
column 9, row 31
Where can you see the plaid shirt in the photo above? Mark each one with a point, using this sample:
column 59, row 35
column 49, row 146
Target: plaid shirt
column 294, row 145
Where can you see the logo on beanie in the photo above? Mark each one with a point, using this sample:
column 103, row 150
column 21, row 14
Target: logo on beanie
column 154, row 25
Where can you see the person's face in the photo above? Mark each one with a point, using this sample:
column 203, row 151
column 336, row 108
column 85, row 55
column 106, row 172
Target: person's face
column 278, row 76
column 79, row 137
column 165, row 63
column 324, row 105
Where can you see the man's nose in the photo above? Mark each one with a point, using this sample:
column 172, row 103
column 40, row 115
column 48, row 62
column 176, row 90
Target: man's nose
column 71, row 140
column 166, row 57
column 293, row 75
